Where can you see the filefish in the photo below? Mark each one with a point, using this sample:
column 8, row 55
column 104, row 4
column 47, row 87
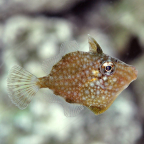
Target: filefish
column 92, row 79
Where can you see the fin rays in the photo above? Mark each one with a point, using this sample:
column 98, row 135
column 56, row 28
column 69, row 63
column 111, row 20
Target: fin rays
column 94, row 46
column 21, row 86
column 70, row 110
column 65, row 48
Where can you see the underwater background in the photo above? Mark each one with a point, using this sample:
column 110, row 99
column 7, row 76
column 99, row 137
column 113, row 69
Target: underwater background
column 31, row 31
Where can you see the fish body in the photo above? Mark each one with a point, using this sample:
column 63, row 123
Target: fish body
column 92, row 79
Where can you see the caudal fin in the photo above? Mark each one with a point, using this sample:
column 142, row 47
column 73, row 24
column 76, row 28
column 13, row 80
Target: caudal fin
column 21, row 86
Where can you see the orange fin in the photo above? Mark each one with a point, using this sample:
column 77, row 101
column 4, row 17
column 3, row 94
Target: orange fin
column 94, row 46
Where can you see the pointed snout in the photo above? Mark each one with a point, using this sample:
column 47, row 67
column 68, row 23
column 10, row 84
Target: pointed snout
column 135, row 72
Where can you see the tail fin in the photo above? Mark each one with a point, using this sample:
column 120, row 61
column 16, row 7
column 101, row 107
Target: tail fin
column 21, row 86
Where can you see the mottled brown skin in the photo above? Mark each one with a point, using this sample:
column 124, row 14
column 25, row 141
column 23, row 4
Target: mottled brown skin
column 78, row 78
column 92, row 79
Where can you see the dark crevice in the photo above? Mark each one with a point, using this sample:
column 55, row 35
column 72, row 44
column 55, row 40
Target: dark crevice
column 77, row 13
column 78, row 10
column 141, row 140
column 134, row 94
column 83, row 7
column 138, row 116
column 133, row 50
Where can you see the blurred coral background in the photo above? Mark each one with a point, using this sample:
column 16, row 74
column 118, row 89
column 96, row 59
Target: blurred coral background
column 33, row 30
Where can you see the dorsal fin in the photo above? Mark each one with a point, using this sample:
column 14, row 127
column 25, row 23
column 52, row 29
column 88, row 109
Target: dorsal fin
column 94, row 46
column 66, row 47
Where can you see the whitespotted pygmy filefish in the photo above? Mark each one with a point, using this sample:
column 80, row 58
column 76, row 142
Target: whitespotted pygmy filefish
column 92, row 79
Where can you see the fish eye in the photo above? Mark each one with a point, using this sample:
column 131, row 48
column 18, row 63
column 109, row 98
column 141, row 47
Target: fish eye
column 107, row 68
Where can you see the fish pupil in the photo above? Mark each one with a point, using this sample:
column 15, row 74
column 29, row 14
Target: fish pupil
column 108, row 68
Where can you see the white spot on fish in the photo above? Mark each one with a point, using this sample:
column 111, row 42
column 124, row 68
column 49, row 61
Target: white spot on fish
column 92, row 90
column 114, row 79
column 105, row 78
column 97, row 83
column 99, row 74
column 92, row 96
column 79, row 94
column 92, row 84
column 103, row 97
column 98, row 92
column 75, row 93
column 68, row 92
column 86, row 91
column 83, row 98
column 101, row 81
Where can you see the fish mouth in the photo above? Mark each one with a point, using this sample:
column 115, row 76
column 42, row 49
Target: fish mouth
column 135, row 71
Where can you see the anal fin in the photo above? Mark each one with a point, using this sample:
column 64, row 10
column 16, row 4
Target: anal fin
column 70, row 110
